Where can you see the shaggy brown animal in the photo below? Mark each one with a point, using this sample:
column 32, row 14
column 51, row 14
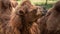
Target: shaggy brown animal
column 23, row 20
column 5, row 12
column 50, row 23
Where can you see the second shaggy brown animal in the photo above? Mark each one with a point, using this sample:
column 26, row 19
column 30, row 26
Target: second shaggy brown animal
column 50, row 23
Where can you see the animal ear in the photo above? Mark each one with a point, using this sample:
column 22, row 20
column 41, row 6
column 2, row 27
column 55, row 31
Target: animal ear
column 20, row 12
column 57, row 6
column 14, row 4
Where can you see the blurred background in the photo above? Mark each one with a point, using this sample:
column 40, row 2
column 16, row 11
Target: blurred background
column 46, row 3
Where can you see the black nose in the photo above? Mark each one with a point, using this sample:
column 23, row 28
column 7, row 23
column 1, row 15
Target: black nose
column 44, row 12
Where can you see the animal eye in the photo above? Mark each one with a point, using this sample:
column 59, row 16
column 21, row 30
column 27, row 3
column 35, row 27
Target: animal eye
column 34, row 11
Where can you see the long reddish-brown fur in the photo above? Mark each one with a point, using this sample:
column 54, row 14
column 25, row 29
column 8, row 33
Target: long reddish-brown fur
column 50, row 23
column 5, row 12
column 23, row 19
